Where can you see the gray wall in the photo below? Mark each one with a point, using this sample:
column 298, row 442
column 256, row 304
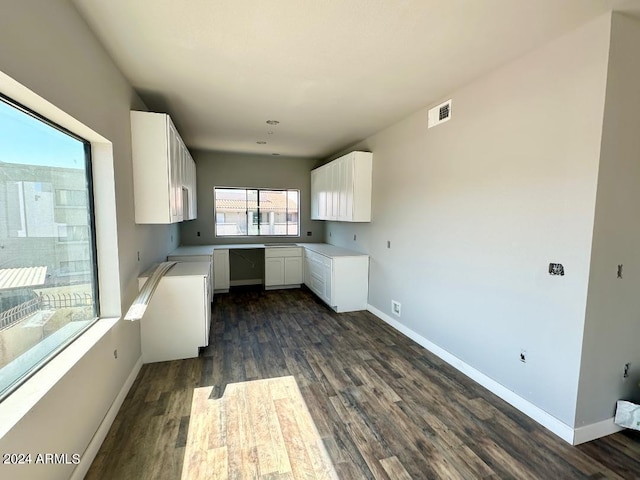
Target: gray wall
column 612, row 329
column 47, row 47
column 477, row 208
column 221, row 169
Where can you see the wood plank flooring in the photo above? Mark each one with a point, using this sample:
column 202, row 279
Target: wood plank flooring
column 384, row 407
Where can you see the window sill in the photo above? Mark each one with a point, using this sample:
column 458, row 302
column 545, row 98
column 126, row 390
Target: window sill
column 24, row 398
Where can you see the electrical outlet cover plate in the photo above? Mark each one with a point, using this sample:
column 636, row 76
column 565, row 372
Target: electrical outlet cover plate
column 396, row 307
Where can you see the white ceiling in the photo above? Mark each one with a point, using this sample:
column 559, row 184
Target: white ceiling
column 331, row 71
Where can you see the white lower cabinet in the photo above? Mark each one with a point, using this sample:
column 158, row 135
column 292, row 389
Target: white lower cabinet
column 340, row 280
column 177, row 320
column 221, row 272
column 282, row 267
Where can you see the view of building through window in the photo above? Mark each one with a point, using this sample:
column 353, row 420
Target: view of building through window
column 48, row 292
column 242, row 211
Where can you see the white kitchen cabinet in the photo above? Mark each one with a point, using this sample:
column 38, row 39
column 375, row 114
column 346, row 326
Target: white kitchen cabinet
column 338, row 276
column 178, row 318
column 221, row 271
column 195, row 253
column 341, row 189
column 282, row 267
column 164, row 178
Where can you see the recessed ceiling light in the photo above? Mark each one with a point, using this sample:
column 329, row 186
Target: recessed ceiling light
column 261, row 143
column 273, row 122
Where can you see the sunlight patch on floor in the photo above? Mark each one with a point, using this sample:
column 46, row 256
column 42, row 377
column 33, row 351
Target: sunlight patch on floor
column 258, row 429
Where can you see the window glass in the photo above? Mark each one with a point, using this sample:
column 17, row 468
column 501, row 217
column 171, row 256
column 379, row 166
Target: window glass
column 256, row 212
column 48, row 292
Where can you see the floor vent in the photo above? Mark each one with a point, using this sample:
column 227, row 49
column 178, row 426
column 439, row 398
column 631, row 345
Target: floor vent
column 440, row 114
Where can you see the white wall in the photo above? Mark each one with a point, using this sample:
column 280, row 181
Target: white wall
column 47, row 47
column 477, row 208
column 612, row 329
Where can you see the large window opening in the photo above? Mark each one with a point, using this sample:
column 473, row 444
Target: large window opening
column 48, row 274
column 256, row 212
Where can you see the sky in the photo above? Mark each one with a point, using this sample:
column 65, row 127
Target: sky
column 28, row 141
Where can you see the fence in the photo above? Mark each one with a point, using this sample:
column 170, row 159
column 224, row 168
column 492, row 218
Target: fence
column 11, row 316
column 44, row 301
column 65, row 300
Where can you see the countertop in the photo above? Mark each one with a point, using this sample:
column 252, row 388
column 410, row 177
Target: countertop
column 321, row 248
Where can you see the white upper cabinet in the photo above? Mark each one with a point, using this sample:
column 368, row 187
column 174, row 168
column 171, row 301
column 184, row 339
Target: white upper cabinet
column 341, row 189
column 164, row 174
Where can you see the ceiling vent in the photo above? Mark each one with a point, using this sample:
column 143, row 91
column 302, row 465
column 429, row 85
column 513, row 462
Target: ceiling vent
column 439, row 114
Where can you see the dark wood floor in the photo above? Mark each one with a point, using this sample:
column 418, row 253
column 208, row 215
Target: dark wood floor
column 384, row 406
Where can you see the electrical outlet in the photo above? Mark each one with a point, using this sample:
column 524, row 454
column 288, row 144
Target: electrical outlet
column 138, row 256
column 396, row 307
column 625, row 371
column 523, row 356
column 308, row 234
column 388, row 243
column 197, row 234
column 354, row 237
column 115, row 353
column 620, row 271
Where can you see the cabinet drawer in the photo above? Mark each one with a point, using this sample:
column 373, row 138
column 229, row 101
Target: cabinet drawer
column 317, row 257
column 283, row 252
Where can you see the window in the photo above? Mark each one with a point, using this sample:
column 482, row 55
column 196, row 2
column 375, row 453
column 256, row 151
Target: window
column 256, row 212
column 48, row 287
column 71, row 198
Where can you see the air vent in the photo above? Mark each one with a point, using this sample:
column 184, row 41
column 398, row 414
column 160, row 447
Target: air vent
column 439, row 114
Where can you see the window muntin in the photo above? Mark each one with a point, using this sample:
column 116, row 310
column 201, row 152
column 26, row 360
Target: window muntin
column 48, row 286
column 256, row 212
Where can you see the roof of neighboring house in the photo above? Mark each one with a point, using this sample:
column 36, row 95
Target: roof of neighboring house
column 268, row 203
column 22, row 277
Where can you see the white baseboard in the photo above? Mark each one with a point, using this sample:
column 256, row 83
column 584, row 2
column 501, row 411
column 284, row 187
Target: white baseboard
column 548, row 421
column 94, row 446
column 595, row 430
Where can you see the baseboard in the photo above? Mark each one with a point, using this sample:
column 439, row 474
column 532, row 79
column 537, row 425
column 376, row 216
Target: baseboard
column 595, row 430
column 548, row 421
column 92, row 449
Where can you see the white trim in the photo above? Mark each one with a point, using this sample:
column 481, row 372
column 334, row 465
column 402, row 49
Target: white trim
column 96, row 442
column 561, row 429
column 595, row 430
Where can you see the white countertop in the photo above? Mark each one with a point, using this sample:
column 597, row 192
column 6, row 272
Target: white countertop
column 182, row 269
column 321, row 248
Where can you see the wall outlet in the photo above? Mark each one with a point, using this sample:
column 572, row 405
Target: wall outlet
column 620, row 271
column 308, row 234
column 197, row 234
column 396, row 308
column 388, row 243
column 625, row 371
column 138, row 256
column 354, row 237
column 523, row 356
column 115, row 353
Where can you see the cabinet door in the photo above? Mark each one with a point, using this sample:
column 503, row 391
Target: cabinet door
column 307, row 269
column 328, row 283
column 175, row 188
column 335, row 190
column 274, row 271
column 221, row 270
column 293, row 270
column 315, row 195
